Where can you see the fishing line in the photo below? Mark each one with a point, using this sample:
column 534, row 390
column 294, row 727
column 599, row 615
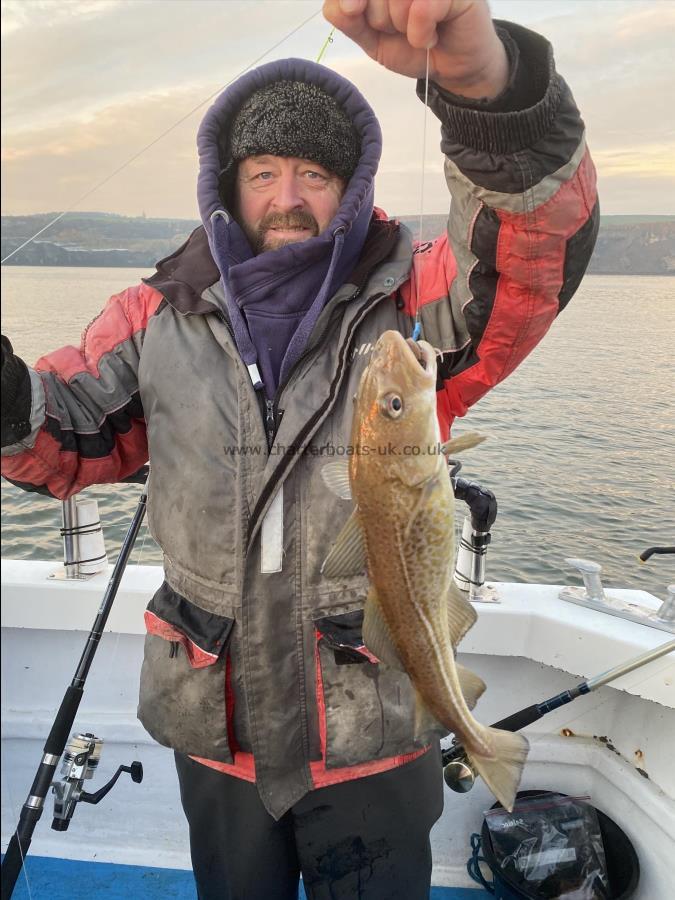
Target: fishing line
column 417, row 330
column 161, row 136
column 145, row 537
column 329, row 40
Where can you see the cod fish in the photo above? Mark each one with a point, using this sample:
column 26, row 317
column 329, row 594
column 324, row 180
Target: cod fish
column 402, row 533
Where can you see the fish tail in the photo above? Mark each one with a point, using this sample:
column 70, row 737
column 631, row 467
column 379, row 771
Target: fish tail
column 503, row 769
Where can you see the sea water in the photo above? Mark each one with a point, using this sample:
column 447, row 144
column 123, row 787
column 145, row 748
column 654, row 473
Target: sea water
column 581, row 449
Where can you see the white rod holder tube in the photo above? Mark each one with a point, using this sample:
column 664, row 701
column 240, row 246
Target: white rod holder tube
column 92, row 555
column 70, row 542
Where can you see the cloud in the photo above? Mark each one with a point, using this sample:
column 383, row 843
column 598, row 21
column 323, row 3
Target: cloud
column 50, row 168
column 76, row 106
column 650, row 161
column 18, row 14
column 60, row 65
column 619, row 54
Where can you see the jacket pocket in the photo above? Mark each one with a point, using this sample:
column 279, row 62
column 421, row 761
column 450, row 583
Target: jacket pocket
column 183, row 680
column 366, row 709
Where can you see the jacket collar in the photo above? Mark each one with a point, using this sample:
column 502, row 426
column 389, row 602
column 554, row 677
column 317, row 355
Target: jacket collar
column 184, row 277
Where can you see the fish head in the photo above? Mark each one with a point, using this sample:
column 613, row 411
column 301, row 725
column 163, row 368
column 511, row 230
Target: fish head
column 395, row 421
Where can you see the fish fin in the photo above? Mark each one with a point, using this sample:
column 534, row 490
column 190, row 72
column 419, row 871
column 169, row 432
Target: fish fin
column 348, row 555
column 502, row 771
column 424, row 494
column 425, row 721
column 461, row 614
column 472, row 686
column 376, row 634
column 463, row 442
column 336, row 478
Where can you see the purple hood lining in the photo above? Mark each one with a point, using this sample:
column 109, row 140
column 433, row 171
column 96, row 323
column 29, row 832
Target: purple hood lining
column 299, row 278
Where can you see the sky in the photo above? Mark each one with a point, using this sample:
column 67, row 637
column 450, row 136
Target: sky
column 87, row 84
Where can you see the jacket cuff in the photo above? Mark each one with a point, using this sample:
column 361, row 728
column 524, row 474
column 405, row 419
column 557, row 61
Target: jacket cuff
column 518, row 117
column 15, row 416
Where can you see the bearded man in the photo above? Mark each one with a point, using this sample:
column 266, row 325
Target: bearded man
column 295, row 748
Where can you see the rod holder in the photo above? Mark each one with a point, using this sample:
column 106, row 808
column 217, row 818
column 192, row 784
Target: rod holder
column 70, row 542
column 469, row 574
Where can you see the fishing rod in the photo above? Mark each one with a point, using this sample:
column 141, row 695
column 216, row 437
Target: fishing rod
column 83, row 752
column 457, row 770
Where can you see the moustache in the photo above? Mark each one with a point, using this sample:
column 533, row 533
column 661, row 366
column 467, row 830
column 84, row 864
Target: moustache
column 298, row 219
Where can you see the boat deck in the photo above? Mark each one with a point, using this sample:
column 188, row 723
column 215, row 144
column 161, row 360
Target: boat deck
column 613, row 746
column 68, row 879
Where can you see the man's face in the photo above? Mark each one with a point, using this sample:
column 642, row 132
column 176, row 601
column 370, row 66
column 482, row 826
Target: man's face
column 282, row 200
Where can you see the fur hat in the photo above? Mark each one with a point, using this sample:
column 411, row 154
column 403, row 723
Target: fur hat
column 295, row 118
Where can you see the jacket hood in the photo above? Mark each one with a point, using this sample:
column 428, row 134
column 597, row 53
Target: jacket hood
column 212, row 137
column 297, row 280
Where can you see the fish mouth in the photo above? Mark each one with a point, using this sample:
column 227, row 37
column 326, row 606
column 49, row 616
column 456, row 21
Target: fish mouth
column 393, row 351
column 423, row 353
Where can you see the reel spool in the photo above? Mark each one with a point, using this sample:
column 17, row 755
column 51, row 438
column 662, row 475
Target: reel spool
column 459, row 776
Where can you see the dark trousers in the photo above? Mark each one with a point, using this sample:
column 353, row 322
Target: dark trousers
column 365, row 839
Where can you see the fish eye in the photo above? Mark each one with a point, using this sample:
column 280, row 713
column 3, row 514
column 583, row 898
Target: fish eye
column 392, row 405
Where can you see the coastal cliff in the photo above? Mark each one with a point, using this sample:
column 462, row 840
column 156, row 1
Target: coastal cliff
column 627, row 245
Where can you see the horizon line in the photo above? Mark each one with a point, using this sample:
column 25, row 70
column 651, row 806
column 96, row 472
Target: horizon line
column 95, row 212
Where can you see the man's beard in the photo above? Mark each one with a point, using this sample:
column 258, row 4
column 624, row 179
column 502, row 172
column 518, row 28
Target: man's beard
column 263, row 238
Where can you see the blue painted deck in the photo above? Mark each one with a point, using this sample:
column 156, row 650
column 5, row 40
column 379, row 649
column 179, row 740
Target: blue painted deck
column 68, row 879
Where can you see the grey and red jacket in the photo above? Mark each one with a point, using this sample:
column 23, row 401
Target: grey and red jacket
column 254, row 661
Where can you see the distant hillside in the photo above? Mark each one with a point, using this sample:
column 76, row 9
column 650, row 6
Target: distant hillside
column 627, row 245
column 92, row 239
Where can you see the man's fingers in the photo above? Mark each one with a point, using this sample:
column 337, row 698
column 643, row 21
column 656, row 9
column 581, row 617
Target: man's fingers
column 353, row 7
column 424, row 16
column 339, row 12
column 399, row 33
column 379, row 18
column 354, row 26
column 399, row 11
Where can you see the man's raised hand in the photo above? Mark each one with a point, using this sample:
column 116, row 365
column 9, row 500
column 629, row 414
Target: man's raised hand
column 466, row 56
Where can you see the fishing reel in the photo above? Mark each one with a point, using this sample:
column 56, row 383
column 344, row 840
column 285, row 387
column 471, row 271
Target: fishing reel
column 80, row 761
column 457, row 771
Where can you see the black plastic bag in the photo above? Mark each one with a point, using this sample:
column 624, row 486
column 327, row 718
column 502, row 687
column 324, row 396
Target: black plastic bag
column 551, row 846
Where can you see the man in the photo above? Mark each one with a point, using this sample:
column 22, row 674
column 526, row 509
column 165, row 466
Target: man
column 234, row 365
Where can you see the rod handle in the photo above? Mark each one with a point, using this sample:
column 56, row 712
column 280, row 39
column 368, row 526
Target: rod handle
column 63, row 723
column 520, row 719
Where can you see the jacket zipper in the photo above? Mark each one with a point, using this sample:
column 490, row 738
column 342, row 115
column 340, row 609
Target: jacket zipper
column 270, row 421
column 262, row 499
column 272, row 406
